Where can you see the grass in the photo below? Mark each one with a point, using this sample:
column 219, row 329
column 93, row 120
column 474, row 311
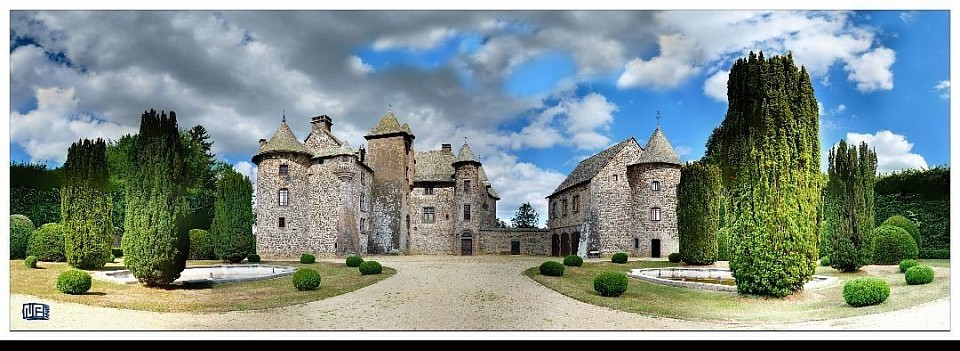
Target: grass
column 691, row 304
column 337, row 279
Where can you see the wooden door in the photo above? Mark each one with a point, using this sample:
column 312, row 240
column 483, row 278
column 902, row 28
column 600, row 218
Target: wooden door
column 655, row 248
column 466, row 247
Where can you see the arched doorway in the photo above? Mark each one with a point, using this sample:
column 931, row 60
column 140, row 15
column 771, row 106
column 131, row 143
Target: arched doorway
column 555, row 245
column 564, row 244
column 574, row 243
column 466, row 244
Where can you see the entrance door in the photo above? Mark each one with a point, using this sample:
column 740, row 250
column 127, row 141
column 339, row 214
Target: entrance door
column 466, row 247
column 515, row 247
column 555, row 245
column 655, row 248
column 564, row 244
column 574, row 243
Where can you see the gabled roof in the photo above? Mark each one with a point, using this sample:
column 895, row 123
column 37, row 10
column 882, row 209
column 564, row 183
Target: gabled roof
column 466, row 155
column 492, row 193
column 482, row 175
column 658, row 150
column 588, row 168
column 283, row 140
column 343, row 149
column 434, row 166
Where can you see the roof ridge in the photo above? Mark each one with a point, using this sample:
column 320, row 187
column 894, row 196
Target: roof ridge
column 588, row 168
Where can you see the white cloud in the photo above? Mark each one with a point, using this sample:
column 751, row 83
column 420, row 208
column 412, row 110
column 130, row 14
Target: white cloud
column 943, row 87
column 357, row 65
column 871, row 71
column 581, row 123
column 716, row 86
column 519, row 182
column 841, row 108
column 422, row 40
column 248, row 169
column 907, row 17
column 893, row 150
column 683, row 150
column 677, row 61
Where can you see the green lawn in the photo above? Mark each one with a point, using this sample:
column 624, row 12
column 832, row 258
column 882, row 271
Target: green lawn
column 336, row 279
column 692, row 304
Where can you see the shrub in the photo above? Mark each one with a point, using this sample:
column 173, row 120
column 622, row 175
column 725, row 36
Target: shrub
column 253, row 258
column 232, row 223
column 551, row 268
column 201, row 245
column 112, row 259
column 306, row 279
column 865, row 291
column 47, row 243
column 825, row 261
column 117, row 252
column 370, row 267
column 906, row 224
column 674, row 257
column 935, row 253
column 892, row 245
column 74, row 282
column 906, row 264
column 619, row 257
column 918, row 275
column 354, row 261
column 30, row 262
column 573, row 261
column 307, row 258
column 610, row 283
column 86, row 205
column 21, row 228
column 698, row 212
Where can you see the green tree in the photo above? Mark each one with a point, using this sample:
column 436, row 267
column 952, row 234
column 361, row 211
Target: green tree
column 698, row 212
column 155, row 244
column 86, row 205
column 232, row 226
column 768, row 147
column 120, row 154
column 526, row 217
column 848, row 206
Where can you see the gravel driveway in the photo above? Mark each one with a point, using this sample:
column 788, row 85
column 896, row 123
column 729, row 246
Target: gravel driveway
column 444, row 293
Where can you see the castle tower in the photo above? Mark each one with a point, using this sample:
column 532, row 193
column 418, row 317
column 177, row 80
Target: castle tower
column 654, row 177
column 468, row 190
column 390, row 155
column 348, row 233
column 283, row 194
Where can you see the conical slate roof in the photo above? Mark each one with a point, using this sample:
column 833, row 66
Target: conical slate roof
column 466, row 155
column 658, row 150
column 283, row 141
column 388, row 124
column 482, row 175
column 406, row 128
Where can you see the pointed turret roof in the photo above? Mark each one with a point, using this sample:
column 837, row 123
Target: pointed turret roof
column 658, row 150
column 466, row 155
column 406, row 128
column 482, row 175
column 389, row 125
column 283, row 140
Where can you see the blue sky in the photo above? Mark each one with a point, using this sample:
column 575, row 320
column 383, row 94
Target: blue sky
column 534, row 92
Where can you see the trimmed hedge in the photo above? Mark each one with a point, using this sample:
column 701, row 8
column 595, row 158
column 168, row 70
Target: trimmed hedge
column 30, row 262
column 906, row 264
column 306, row 279
column 825, row 261
column 906, row 224
column 698, row 212
column 675, row 258
column 307, row 258
column 551, row 268
column 370, row 267
column 201, row 245
column 253, row 258
column 893, row 244
column 573, row 261
column 354, row 261
column 21, row 228
column 935, row 253
column 74, row 282
column 918, row 275
column 610, row 283
column 619, row 257
column 865, row 291
column 47, row 243
column 723, row 244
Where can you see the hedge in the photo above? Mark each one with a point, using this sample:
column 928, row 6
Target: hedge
column 865, row 291
column 573, row 261
column 253, row 258
column 906, row 224
column 47, row 243
column 307, row 258
column 932, row 215
column 74, row 282
column 610, row 283
column 918, row 275
column 551, row 268
column 935, row 253
column 723, row 244
column 201, row 245
column 675, row 258
column 892, row 245
column 619, row 257
column 21, row 228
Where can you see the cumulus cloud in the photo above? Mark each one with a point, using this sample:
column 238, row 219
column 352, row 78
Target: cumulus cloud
column 871, row 71
column 676, row 63
column 517, row 182
column 419, row 41
column 716, row 86
column 357, row 65
column 893, row 150
column 943, row 88
column 582, row 123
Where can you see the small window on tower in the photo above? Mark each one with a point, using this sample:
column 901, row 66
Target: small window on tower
column 363, row 202
column 363, row 224
column 655, row 185
column 282, row 223
column 428, row 214
column 564, row 207
column 428, row 190
column 466, row 186
column 466, row 212
column 614, row 177
column 655, row 214
column 284, row 169
column 283, row 196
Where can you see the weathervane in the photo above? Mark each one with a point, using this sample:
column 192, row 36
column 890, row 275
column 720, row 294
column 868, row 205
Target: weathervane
column 658, row 118
column 464, row 140
column 283, row 114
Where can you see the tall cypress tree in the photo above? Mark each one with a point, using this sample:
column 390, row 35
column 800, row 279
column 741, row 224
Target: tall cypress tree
column 86, row 205
column 232, row 227
column 768, row 147
column 155, row 244
column 698, row 212
column 848, row 206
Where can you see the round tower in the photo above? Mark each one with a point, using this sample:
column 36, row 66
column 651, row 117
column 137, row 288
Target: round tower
column 467, row 194
column 654, row 177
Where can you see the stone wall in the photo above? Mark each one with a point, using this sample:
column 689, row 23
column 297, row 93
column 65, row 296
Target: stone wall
column 438, row 237
column 612, row 200
column 331, row 198
column 387, row 157
column 296, row 236
column 497, row 241
column 644, row 199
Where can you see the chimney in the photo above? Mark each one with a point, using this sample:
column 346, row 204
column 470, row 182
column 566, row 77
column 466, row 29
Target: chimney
column 447, row 148
column 322, row 122
column 363, row 153
column 263, row 142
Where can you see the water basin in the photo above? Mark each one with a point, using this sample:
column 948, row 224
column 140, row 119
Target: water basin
column 716, row 279
column 204, row 275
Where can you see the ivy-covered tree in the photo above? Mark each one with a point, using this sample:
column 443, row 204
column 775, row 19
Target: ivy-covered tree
column 155, row 244
column 768, row 147
column 526, row 217
column 848, row 206
column 86, row 205
column 232, row 227
column 698, row 212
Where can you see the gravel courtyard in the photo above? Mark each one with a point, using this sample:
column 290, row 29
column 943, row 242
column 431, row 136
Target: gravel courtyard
column 444, row 293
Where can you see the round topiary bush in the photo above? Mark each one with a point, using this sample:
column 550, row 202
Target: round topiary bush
column 619, row 257
column 47, row 243
column 306, row 279
column 21, row 228
column 825, row 261
column 30, row 262
column 865, row 291
column 918, row 275
column 354, row 261
column 307, row 258
column 573, row 261
column 74, row 282
column 610, row 283
column 551, row 268
column 674, row 257
column 201, row 245
column 253, row 258
column 893, row 244
column 906, row 264
column 370, row 267
column 906, row 224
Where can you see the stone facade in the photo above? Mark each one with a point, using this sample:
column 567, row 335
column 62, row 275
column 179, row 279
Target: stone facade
column 500, row 241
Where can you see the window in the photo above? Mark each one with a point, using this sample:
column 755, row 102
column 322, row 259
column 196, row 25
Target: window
column 428, row 190
column 466, row 186
column 655, row 185
column 655, row 214
column 554, row 208
column 466, row 212
column 282, row 223
column 363, row 202
column 363, row 178
column 283, row 197
column 428, row 215
column 284, row 169
column 363, row 224
column 564, row 207
column 636, row 243
column 614, row 177
column 576, row 203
